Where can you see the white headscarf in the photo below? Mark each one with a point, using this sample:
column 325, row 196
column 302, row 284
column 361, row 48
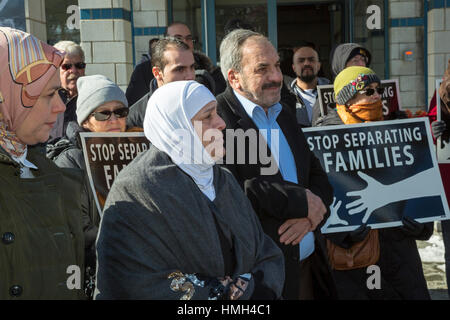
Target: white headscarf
column 167, row 124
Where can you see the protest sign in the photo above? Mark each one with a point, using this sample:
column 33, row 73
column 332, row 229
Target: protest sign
column 380, row 172
column 106, row 154
column 325, row 94
column 443, row 142
column 390, row 98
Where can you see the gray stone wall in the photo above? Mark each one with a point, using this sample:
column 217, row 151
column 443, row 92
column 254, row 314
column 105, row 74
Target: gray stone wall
column 148, row 14
column 107, row 42
column 411, row 38
column 35, row 18
column 438, row 45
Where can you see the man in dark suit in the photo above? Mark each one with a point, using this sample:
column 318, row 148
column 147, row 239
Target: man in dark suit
column 292, row 200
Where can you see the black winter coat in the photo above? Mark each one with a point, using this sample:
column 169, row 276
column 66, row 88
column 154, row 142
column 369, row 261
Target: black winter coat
column 139, row 82
column 41, row 229
column 67, row 153
column 137, row 111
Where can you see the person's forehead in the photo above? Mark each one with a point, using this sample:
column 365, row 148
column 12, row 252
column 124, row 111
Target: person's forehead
column 53, row 83
column 373, row 85
column 358, row 56
column 305, row 52
column 209, row 107
column 175, row 56
column 178, row 29
column 258, row 50
column 72, row 58
column 205, row 110
column 110, row 105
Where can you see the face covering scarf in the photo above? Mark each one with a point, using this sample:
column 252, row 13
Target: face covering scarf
column 359, row 113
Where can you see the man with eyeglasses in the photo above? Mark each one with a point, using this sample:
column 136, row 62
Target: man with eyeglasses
column 142, row 80
column 205, row 72
column 72, row 68
column 181, row 31
column 306, row 66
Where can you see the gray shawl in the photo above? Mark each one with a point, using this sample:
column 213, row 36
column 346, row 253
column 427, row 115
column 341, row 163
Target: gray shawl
column 158, row 229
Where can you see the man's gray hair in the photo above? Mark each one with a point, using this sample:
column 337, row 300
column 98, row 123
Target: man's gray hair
column 231, row 49
column 71, row 48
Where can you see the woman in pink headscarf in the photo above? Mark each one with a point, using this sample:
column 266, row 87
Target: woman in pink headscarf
column 41, row 238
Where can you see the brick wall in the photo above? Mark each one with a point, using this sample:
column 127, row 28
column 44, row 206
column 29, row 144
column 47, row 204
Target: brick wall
column 150, row 21
column 35, row 18
column 438, row 45
column 404, row 35
column 106, row 38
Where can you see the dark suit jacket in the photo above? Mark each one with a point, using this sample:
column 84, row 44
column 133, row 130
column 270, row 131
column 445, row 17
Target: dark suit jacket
column 137, row 111
column 139, row 84
column 276, row 200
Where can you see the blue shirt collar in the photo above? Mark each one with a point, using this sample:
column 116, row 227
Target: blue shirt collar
column 252, row 108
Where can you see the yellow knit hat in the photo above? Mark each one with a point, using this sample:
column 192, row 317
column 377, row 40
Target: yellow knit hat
column 351, row 80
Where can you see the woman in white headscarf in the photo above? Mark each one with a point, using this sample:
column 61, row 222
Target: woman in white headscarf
column 177, row 226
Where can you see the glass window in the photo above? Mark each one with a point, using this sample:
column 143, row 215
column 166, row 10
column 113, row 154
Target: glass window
column 253, row 13
column 190, row 13
column 318, row 24
column 12, row 14
column 373, row 39
column 60, row 24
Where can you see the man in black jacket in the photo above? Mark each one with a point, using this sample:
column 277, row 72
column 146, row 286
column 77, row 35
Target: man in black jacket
column 292, row 200
column 206, row 73
column 306, row 65
column 139, row 82
column 140, row 79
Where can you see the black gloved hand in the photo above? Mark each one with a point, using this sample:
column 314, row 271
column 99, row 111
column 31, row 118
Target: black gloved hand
column 412, row 228
column 359, row 234
column 438, row 128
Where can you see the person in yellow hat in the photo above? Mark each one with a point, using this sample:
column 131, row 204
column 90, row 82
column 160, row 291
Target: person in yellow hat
column 358, row 95
column 358, row 100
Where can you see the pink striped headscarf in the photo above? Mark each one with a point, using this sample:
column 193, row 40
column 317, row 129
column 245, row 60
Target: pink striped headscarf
column 26, row 66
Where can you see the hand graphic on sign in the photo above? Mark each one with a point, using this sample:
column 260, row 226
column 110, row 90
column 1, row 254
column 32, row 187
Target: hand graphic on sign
column 377, row 195
column 370, row 197
column 334, row 217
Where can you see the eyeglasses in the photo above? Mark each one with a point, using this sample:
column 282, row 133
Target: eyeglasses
column 78, row 65
column 368, row 92
column 106, row 114
column 188, row 38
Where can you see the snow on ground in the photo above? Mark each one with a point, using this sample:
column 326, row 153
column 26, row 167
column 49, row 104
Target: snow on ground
column 433, row 249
